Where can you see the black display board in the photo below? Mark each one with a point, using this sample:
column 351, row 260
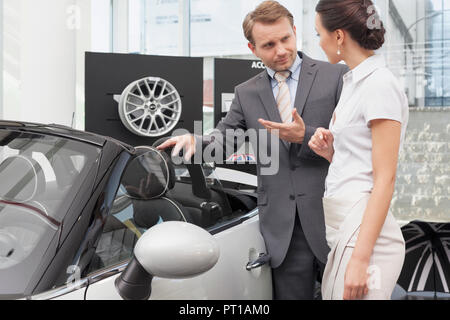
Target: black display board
column 109, row 74
column 228, row 73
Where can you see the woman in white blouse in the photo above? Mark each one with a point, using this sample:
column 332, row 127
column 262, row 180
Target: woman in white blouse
column 362, row 145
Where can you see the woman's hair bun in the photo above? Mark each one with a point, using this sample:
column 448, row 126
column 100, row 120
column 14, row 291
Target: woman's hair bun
column 373, row 39
column 358, row 17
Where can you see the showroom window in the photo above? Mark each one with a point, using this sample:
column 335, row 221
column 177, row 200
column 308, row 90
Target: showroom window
column 417, row 48
column 417, row 43
column 102, row 25
column 437, row 49
column 203, row 28
column 151, row 21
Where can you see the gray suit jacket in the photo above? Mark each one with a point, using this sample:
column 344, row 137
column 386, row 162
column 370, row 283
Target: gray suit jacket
column 299, row 183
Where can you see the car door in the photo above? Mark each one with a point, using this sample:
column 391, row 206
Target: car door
column 139, row 204
column 228, row 279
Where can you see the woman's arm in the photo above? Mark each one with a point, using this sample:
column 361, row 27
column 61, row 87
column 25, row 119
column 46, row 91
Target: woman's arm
column 385, row 148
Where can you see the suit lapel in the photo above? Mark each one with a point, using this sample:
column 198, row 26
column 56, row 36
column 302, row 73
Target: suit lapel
column 268, row 100
column 308, row 73
column 266, row 94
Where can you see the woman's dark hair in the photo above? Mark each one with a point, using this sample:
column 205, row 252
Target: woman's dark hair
column 358, row 17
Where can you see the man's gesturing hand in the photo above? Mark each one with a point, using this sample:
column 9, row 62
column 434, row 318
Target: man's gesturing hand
column 292, row 132
column 185, row 142
column 322, row 143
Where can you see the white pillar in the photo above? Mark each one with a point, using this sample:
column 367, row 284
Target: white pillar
column 83, row 43
column 184, row 33
column 308, row 34
column 120, row 26
column 41, row 61
column 421, row 36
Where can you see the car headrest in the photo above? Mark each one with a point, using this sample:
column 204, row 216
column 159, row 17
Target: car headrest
column 168, row 160
column 171, row 168
column 199, row 185
column 148, row 175
column 147, row 215
column 22, row 179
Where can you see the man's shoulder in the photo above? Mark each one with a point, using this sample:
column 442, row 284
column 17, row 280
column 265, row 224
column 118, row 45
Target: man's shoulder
column 325, row 65
column 252, row 81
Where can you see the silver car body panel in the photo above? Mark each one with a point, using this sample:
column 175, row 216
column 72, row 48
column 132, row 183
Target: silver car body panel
column 228, row 279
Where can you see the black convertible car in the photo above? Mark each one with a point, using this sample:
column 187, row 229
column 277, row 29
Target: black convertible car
column 74, row 205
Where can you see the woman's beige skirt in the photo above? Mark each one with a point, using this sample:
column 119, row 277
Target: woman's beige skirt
column 343, row 217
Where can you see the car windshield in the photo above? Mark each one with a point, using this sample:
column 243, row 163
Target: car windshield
column 39, row 178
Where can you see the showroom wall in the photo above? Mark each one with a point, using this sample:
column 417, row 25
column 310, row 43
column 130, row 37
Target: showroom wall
column 39, row 61
column 423, row 176
column 43, row 59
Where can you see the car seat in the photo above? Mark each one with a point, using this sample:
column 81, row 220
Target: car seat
column 207, row 205
column 147, row 180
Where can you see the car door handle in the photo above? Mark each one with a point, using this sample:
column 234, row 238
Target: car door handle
column 263, row 259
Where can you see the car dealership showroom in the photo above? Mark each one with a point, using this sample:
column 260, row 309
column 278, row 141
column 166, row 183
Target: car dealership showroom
column 143, row 155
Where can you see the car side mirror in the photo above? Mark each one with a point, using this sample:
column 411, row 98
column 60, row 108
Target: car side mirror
column 173, row 250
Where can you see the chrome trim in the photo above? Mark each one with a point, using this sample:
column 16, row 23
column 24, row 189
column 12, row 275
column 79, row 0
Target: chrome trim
column 232, row 223
column 102, row 274
column 58, row 292
column 84, row 283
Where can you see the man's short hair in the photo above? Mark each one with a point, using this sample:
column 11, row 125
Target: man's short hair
column 267, row 12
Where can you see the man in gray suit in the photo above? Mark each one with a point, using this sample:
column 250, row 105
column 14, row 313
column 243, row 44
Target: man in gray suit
column 291, row 106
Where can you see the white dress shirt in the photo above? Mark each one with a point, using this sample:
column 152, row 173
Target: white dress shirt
column 292, row 81
column 370, row 91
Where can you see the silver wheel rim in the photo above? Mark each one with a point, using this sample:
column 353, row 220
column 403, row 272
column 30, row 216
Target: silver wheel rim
column 150, row 107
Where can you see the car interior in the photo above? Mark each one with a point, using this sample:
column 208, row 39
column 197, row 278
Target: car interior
column 203, row 195
column 160, row 194
column 152, row 191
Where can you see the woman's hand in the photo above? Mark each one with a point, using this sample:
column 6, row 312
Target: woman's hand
column 322, row 143
column 355, row 281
